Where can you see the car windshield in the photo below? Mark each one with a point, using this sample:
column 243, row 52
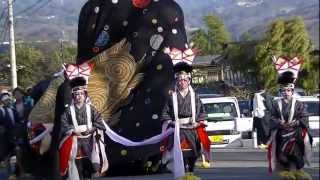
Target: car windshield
column 312, row 108
column 244, row 105
column 220, row 111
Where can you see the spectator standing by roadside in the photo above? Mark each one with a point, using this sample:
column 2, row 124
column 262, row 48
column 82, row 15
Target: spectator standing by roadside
column 24, row 152
column 8, row 122
column 28, row 98
column 22, row 106
column 262, row 105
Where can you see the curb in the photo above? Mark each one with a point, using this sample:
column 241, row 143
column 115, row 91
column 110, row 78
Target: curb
column 246, row 150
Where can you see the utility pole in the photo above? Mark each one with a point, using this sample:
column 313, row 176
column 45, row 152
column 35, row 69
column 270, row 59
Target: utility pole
column 61, row 47
column 13, row 65
column 61, row 51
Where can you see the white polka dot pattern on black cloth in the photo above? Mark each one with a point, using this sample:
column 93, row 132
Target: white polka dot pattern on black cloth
column 149, row 27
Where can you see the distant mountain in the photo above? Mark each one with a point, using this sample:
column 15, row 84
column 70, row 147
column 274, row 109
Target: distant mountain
column 58, row 19
column 42, row 20
column 311, row 18
column 252, row 16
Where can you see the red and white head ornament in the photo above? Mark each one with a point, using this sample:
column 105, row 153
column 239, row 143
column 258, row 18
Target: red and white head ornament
column 73, row 70
column 288, row 70
column 182, row 61
column 284, row 64
column 177, row 55
column 78, row 75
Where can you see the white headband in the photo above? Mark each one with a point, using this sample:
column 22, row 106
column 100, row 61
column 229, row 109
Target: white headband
column 183, row 76
column 289, row 85
column 5, row 97
column 79, row 88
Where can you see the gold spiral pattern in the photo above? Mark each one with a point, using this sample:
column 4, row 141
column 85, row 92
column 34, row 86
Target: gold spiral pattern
column 98, row 90
column 44, row 110
column 114, row 75
column 119, row 68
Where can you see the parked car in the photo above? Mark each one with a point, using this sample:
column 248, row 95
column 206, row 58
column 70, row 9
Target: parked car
column 224, row 122
column 312, row 107
column 245, row 108
column 299, row 92
column 210, row 95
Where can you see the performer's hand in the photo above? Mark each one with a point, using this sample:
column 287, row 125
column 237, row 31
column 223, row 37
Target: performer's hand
column 87, row 132
column 171, row 124
column 283, row 124
column 294, row 123
column 98, row 136
column 196, row 124
column 203, row 123
column 76, row 133
column 92, row 130
column 288, row 125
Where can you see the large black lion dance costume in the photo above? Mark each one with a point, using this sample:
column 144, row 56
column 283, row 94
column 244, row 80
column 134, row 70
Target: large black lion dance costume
column 126, row 48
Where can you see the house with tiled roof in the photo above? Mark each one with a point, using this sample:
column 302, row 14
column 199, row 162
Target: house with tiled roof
column 217, row 68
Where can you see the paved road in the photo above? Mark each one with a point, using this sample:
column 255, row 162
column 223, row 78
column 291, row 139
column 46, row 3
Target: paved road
column 250, row 154
column 232, row 173
column 228, row 164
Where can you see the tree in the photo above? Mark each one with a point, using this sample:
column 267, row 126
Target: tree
column 66, row 55
column 34, row 64
column 213, row 39
column 299, row 44
column 246, row 36
column 28, row 61
column 271, row 46
column 286, row 39
column 241, row 55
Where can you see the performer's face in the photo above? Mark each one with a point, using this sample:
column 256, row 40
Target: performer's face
column 18, row 95
column 183, row 84
column 287, row 93
column 79, row 97
column 6, row 102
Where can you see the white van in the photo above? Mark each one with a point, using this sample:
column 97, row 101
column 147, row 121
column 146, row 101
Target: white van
column 223, row 120
column 312, row 107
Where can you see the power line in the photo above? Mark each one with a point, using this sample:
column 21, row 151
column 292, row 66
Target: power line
column 5, row 22
column 5, row 29
column 5, row 34
column 33, row 8
column 2, row 14
column 40, row 7
column 5, row 11
column 29, row 7
column 4, row 37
